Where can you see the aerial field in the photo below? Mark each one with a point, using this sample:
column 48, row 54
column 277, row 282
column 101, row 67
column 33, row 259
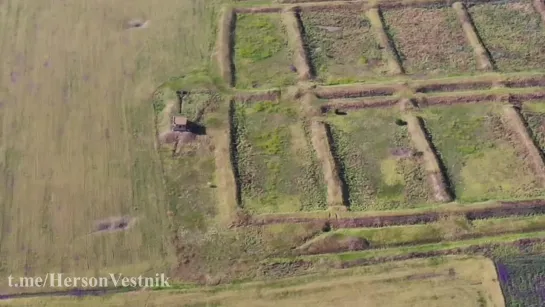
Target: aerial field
column 482, row 160
column 447, row 281
column 429, row 41
column 261, row 53
column 500, row 25
column 77, row 130
column 342, row 46
column 380, row 166
column 277, row 166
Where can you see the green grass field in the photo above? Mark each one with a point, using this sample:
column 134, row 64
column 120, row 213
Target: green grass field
column 342, row 46
column 448, row 229
column 277, row 165
column 429, row 41
column 501, row 25
column 261, row 53
column 481, row 161
column 377, row 160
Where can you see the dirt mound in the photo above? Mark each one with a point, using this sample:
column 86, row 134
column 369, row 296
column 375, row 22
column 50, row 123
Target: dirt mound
column 137, row 24
column 177, row 137
column 334, row 244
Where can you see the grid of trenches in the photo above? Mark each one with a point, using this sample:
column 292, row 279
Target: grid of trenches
column 276, row 167
column 483, row 157
column 377, row 161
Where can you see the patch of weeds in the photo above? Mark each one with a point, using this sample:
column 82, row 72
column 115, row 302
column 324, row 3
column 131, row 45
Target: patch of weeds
column 342, row 46
column 261, row 53
column 513, row 34
column 277, row 170
column 480, row 160
column 534, row 114
column 429, row 40
column 378, row 180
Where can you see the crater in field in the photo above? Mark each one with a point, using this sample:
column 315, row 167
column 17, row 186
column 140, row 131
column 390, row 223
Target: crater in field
column 114, row 224
column 137, row 23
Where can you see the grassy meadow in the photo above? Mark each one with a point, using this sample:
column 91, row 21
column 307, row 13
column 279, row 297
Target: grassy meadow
column 429, row 41
column 77, row 130
column 481, row 159
column 377, row 161
column 512, row 33
column 448, row 281
column 342, row 46
column 278, row 169
column 261, row 53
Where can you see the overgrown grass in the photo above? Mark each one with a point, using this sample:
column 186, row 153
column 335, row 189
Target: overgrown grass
column 534, row 114
column 480, row 159
column 429, row 41
column 513, row 33
column 377, row 179
column 423, row 248
column 447, row 229
column 278, row 170
column 342, row 46
column 261, row 54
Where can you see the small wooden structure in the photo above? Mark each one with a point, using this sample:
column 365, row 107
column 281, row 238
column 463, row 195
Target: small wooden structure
column 180, row 124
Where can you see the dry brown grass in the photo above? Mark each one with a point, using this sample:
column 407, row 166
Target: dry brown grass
column 452, row 281
column 483, row 58
column 320, row 141
column 77, row 129
column 223, row 44
column 293, row 29
column 431, row 162
column 516, row 123
column 389, row 51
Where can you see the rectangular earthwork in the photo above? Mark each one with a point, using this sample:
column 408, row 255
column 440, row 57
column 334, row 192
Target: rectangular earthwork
column 276, row 165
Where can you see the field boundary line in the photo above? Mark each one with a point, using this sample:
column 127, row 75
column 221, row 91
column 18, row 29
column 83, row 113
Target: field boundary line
column 484, row 60
column 518, row 125
column 228, row 188
column 224, row 45
column 437, row 178
column 321, row 141
column 390, row 53
column 405, row 217
column 293, row 26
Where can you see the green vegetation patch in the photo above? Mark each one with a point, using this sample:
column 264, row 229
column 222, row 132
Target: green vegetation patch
column 277, row 167
column 379, row 164
column 481, row 161
column 261, row 53
column 429, row 40
column 447, row 229
column 513, row 34
column 342, row 46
